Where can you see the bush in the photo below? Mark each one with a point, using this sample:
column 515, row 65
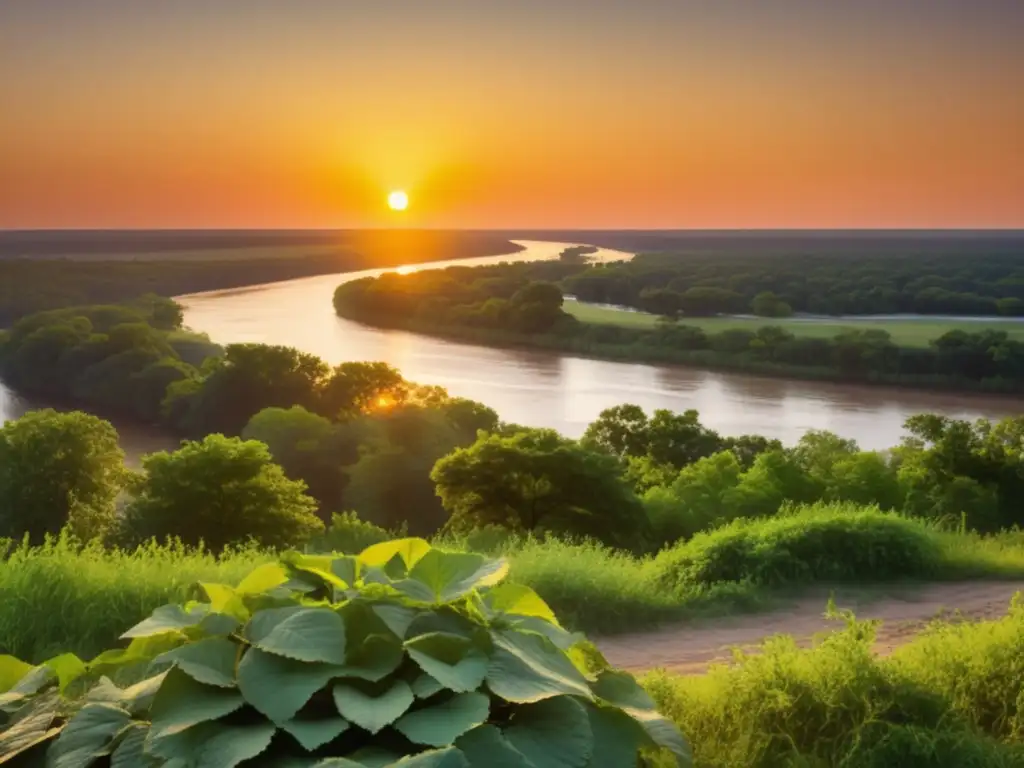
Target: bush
column 948, row 699
column 404, row 655
column 838, row 542
column 220, row 491
column 350, row 535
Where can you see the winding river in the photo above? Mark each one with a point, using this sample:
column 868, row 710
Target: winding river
column 549, row 389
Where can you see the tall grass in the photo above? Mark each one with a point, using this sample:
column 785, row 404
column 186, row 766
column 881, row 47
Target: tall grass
column 950, row 698
column 68, row 597
column 63, row 596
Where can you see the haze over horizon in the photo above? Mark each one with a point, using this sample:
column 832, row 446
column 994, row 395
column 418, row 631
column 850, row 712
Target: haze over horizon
column 562, row 115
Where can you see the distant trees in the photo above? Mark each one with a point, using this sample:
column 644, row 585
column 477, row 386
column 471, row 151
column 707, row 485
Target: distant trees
column 57, row 470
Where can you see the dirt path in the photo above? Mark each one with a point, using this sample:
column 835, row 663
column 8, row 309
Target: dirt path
column 690, row 648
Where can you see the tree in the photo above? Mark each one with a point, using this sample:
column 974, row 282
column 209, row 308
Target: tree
column 249, row 378
column 537, row 480
column 767, row 304
column 220, row 491
column 537, row 307
column 309, row 448
column 696, row 500
column 355, row 388
column 58, row 469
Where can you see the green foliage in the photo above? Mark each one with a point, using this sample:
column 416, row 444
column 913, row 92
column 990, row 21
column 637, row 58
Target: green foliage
column 816, row 543
column 537, row 480
column 118, row 360
column 418, row 656
column 57, row 470
column 948, row 699
column 220, row 491
column 476, row 304
column 350, row 535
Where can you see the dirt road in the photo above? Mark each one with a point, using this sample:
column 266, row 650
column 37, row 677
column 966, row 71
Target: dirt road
column 690, row 648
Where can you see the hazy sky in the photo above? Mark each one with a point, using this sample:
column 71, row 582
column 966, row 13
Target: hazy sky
column 512, row 113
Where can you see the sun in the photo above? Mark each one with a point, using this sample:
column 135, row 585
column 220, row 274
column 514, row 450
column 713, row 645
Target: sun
column 398, row 200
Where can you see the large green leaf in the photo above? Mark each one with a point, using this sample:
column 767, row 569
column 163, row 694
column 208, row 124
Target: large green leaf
column 527, row 667
column 663, row 733
column 68, row 668
column 137, row 698
column 183, row 702
column 279, row 687
column 264, row 622
column 87, row 736
column 313, row 733
column 622, row 690
column 441, row 577
column 518, row 600
column 130, row 752
column 554, row 733
column 139, row 650
column 618, row 738
column 397, row 617
column 210, row 661
column 424, row 686
column 310, row 634
column 348, row 568
column 167, row 618
column 410, row 550
column 435, row 758
column 34, row 681
column 225, row 600
column 374, row 757
column 215, row 745
column 376, row 657
column 450, row 659
column 373, row 712
column 439, row 725
column 31, row 725
column 486, row 747
column 12, row 671
column 263, row 578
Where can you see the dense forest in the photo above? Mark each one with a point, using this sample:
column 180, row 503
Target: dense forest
column 701, row 285
column 521, row 304
column 359, row 437
column 52, row 270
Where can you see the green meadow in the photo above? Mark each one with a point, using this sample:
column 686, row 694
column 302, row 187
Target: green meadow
column 911, row 332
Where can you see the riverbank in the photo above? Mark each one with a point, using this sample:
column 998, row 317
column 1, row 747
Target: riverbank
column 51, row 270
column 703, row 359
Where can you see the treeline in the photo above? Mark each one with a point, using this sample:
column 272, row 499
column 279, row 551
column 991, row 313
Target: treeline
column 42, row 271
column 357, row 435
column 779, row 284
column 521, row 305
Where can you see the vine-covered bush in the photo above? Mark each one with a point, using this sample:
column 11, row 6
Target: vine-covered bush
column 403, row 655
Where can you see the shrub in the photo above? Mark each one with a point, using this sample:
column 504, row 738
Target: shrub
column 221, row 491
column 836, row 542
column 403, row 655
column 350, row 535
column 947, row 699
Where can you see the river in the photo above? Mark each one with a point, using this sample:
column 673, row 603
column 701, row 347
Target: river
column 554, row 390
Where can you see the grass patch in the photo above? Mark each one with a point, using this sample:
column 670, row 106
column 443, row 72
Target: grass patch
column 949, row 698
column 65, row 597
column 910, row 332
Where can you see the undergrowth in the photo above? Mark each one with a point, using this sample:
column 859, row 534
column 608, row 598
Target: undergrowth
column 951, row 698
column 65, row 596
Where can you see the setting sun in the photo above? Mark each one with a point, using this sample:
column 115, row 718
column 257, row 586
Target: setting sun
column 398, row 201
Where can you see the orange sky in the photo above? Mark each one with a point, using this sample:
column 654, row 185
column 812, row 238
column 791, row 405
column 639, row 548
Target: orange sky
column 561, row 114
